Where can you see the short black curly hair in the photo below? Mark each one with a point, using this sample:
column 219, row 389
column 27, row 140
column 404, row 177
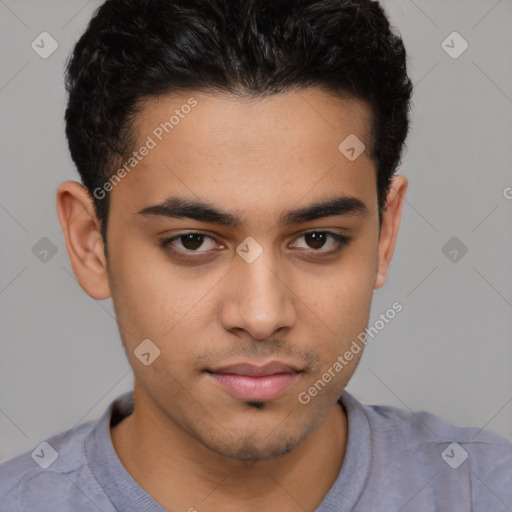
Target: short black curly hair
column 133, row 50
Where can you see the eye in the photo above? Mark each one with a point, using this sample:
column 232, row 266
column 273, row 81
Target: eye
column 317, row 240
column 190, row 242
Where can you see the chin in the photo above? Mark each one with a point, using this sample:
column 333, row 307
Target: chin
column 254, row 445
column 255, row 451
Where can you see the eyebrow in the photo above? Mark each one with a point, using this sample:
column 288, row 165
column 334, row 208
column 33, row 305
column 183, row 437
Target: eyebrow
column 182, row 207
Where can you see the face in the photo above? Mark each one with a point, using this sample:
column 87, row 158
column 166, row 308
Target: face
column 251, row 274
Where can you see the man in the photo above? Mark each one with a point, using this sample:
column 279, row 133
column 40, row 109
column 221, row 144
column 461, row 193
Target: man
column 239, row 205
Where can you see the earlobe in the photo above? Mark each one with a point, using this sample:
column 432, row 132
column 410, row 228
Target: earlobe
column 390, row 224
column 81, row 230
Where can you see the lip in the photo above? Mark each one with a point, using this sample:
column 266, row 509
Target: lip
column 251, row 370
column 257, row 383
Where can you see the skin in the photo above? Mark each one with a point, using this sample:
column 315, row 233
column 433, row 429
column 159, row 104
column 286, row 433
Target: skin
column 189, row 443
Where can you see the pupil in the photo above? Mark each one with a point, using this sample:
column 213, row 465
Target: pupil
column 317, row 238
column 189, row 239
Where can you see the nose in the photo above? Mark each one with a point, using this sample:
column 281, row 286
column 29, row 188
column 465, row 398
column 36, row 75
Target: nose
column 258, row 299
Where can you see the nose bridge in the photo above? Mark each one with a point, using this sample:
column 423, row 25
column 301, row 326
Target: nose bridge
column 262, row 301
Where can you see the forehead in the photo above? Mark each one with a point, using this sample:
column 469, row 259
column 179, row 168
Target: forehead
column 247, row 152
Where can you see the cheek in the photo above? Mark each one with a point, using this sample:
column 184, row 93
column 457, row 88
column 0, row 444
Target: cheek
column 342, row 299
column 145, row 289
column 342, row 302
column 149, row 308
column 169, row 306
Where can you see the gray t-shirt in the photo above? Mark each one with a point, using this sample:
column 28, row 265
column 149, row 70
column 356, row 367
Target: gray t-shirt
column 395, row 460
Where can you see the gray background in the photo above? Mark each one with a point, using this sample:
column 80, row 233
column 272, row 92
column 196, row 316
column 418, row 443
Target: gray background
column 449, row 351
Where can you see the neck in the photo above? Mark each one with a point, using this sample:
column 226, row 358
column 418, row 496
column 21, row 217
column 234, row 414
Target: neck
column 180, row 473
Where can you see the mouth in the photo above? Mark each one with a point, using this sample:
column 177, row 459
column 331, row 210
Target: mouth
column 255, row 383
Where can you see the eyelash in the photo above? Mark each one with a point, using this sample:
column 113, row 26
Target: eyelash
column 166, row 243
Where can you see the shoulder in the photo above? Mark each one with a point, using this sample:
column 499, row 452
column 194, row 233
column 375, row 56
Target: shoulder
column 424, row 451
column 48, row 473
column 414, row 428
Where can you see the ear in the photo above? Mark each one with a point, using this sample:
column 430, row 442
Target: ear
column 389, row 227
column 84, row 244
